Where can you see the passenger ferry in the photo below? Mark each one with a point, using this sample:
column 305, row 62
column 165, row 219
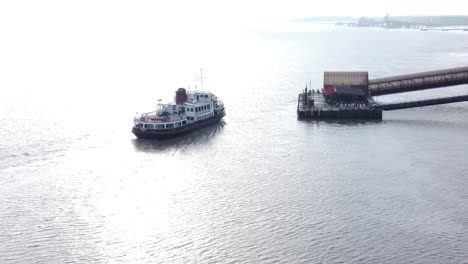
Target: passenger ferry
column 192, row 110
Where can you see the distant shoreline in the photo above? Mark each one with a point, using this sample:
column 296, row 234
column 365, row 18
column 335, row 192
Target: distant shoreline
column 444, row 23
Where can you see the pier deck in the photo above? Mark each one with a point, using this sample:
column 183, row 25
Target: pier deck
column 315, row 106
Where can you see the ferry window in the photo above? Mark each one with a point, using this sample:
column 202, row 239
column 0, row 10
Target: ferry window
column 206, row 96
column 140, row 125
column 169, row 125
column 184, row 122
column 159, row 126
column 149, row 126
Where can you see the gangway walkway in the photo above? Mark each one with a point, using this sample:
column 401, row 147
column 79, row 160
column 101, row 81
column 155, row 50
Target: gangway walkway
column 418, row 81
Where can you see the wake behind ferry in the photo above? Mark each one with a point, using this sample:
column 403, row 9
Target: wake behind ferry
column 191, row 111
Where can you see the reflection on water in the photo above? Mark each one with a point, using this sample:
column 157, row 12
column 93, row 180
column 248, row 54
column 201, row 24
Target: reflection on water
column 267, row 188
column 341, row 122
column 201, row 136
column 424, row 123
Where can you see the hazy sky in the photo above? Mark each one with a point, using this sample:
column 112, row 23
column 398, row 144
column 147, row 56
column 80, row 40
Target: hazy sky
column 45, row 44
column 298, row 8
column 183, row 14
column 191, row 15
column 245, row 10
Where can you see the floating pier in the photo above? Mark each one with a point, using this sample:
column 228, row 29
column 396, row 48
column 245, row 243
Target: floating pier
column 314, row 105
column 349, row 94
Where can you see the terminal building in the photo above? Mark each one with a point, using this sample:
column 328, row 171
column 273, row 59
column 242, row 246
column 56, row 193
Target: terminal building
column 346, row 87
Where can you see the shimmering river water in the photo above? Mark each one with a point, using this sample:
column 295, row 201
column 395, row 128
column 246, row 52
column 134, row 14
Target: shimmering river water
column 260, row 187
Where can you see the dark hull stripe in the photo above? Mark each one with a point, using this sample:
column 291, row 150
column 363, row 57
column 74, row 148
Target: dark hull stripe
column 169, row 133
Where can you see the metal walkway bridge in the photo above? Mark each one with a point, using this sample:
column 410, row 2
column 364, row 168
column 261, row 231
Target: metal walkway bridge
column 438, row 101
column 418, row 81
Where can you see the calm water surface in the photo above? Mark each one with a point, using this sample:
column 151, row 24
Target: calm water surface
column 260, row 187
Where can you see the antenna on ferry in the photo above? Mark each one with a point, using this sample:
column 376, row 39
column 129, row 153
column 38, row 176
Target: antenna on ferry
column 201, row 78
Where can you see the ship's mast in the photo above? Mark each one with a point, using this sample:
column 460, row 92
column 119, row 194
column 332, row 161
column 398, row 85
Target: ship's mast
column 201, row 78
